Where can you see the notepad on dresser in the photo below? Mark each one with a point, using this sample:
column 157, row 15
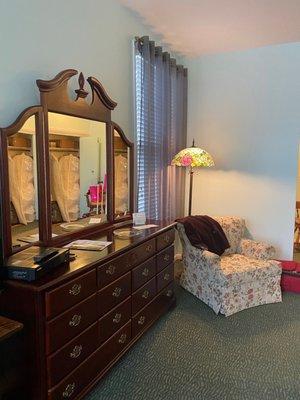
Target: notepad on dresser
column 88, row 245
column 141, row 227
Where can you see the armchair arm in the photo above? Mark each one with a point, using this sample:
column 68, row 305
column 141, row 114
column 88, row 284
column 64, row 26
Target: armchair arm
column 203, row 259
column 199, row 258
column 211, row 258
column 254, row 249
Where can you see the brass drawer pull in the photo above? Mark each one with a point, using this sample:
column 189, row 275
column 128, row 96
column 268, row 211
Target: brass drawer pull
column 75, row 320
column 145, row 294
column 166, row 257
column 117, row 318
column 167, row 239
column 142, row 320
column 149, row 248
column 133, row 258
column 123, row 338
column 75, row 289
column 117, row 292
column 69, row 390
column 111, row 270
column 166, row 277
column 169, row 293
column 75, row 353
column 145, row 272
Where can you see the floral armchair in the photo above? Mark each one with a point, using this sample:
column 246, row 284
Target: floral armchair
column 244, row 276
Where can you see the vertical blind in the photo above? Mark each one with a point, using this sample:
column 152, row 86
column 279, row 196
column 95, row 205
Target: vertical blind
column 161, row 124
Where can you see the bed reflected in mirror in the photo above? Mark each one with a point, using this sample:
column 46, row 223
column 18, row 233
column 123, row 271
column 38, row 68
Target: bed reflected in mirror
column 122, row 179
column 23, row 187
column 77, row 149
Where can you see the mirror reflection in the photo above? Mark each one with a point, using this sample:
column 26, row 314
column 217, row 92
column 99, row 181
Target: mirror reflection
column 78, row 172
column 22, row 174
column 121, row 160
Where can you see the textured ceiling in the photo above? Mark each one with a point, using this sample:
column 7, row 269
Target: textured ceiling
column 195, row 27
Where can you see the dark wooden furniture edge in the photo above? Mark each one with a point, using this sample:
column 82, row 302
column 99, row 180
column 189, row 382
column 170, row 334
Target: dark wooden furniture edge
column 8, row 328
column 97, row 87
column 52, row 84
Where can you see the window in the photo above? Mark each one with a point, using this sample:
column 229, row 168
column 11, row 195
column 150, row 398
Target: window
column 160, row 122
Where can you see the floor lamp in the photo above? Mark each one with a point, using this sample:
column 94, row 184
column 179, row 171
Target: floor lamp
column 192, row 157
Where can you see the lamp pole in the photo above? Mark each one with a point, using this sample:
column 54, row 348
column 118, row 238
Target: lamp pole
column 191, row 184
column 191, row 190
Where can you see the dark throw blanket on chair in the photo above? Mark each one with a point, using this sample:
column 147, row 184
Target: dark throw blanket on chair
column 205, row 233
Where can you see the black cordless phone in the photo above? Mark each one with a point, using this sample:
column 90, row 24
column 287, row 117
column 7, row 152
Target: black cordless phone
column 44, row 254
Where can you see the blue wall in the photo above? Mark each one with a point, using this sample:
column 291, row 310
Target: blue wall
column 39, row 38
column 244, row 108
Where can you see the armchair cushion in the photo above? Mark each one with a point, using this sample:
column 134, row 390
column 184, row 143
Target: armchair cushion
column 254, row 249
column 234, row 229
column 239, row 269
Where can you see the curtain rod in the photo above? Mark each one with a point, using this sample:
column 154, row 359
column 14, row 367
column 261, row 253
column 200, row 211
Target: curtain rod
column 145, row 40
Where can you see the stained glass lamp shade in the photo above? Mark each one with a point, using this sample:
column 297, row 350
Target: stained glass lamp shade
column 192, row 157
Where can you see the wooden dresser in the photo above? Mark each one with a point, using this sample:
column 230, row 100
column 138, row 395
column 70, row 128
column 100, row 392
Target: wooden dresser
column 11, row 350
column 81, row 319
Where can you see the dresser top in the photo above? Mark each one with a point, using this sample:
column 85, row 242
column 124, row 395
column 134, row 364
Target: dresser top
column 87, row 259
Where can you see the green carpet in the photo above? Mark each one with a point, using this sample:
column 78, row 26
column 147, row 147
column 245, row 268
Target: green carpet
column 192, row 354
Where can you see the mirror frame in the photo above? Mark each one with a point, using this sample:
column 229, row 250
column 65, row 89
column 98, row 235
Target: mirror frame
column 5, row 133
column 130, row 145
column 54, row 97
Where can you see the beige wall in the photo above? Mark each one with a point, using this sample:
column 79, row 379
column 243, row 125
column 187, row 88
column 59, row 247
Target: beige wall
column 298, row 177
column 244, row 110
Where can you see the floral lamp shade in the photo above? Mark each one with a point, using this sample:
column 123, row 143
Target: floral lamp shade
column 193, row 157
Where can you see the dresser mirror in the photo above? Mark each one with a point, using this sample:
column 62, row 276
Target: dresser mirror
column 20, row 187
column 77, row 156
column 70, row 167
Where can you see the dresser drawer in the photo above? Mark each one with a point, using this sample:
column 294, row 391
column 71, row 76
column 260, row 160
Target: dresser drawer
column 69, row 324
column 165, row 239
column 143, row 318
column 153, row 310
column 145, row 250
column 143, row 296
column 114, row 293
column 115, row 268
column 164, row 258
column 113, row 321
column 144, row 272
column 166, row 295
column 165, row 277
column 71, row 355
column 113, row 347
column 65, row 296
column 75, row 382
